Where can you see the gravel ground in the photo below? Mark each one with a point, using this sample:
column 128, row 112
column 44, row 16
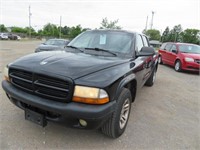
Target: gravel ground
column 165, row 116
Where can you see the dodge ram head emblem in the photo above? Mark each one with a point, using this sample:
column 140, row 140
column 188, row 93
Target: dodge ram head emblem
column 43, row 63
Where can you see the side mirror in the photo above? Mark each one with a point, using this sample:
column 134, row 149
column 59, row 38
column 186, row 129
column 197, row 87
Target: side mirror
column 146, row 51
column 174, row 51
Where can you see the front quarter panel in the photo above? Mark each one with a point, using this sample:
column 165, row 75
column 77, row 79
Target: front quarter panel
column 113, row 79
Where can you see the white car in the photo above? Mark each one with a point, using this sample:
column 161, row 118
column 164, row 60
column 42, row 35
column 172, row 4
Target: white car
column 18, row 37
column 3, row 36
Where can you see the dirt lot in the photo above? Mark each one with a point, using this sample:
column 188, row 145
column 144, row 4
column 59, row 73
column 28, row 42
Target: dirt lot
column 165, row 116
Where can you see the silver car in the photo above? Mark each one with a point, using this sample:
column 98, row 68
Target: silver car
column 3, row 36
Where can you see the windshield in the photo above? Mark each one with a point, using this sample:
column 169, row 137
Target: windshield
column 55, row 42
column 190, row 49
column 119, row 42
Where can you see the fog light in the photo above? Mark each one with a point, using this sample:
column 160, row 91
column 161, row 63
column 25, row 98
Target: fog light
column 83, row 122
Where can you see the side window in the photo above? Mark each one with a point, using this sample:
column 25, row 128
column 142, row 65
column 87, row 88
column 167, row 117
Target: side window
column 145, row 41
column 139, row 43
column 173, row 48
column 168, row 47
column 163, row 46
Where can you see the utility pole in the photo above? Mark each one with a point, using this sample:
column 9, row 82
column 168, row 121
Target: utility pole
column 29, row 21
column 60, row 26
column 152, row 20
column 146, row 24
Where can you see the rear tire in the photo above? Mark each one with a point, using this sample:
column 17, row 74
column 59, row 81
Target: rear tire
column 177, row 66
column 116, row 125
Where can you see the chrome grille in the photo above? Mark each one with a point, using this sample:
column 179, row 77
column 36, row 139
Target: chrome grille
column 42, row 85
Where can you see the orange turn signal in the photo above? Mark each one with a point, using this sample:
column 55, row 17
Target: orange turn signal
column 91, row 100
column 6, row 76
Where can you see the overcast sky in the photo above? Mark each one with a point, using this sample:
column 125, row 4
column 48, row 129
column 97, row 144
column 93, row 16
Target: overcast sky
column 132, row 14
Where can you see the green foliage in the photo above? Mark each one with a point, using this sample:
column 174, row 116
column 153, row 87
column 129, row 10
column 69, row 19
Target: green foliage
column 65, row 30
column 74, row 31
column 18, row 30
column 3, row 28
column 23, row 30
column 153, row 34
column 50, row 30
column 105, row 24
column 172, row 35
column 178, row 35
column 191, row 36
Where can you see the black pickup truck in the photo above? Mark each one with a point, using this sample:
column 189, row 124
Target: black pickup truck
column 90, row 85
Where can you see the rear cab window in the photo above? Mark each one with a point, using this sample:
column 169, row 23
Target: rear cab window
column 139, row 43
column 145, row 41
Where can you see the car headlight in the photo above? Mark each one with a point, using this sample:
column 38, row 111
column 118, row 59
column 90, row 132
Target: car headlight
column 188, row 59
column 90, row 95
column 6, row 76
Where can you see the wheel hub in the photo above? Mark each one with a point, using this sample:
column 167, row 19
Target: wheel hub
column 124, row 114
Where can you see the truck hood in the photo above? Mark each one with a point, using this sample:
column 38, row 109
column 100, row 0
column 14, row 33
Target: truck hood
column 62, row 63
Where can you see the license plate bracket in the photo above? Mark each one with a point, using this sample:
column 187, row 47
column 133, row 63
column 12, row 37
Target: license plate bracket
column 35, row 117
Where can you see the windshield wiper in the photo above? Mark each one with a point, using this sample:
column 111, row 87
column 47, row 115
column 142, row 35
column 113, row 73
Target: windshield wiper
column 75, row 48
column 103, row 50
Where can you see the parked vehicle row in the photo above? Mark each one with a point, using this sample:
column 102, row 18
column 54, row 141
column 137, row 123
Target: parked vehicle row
column 9, row 36
column 182, row 56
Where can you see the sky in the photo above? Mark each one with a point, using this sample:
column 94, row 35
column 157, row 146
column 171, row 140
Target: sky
column 131, row 14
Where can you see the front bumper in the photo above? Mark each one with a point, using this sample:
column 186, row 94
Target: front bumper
column 68, row 113
column 191, row 66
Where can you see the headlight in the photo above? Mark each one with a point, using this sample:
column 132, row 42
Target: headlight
column 90, row 95
column 6, row 76
column 188, row 59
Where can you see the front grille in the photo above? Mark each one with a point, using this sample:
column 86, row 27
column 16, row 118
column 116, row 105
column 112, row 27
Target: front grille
column 197, row 61
column 42, row 85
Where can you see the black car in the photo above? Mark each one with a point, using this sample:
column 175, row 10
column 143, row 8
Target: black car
column 52, row 45
column 90, row 85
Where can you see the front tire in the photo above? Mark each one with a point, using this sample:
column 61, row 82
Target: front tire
column 177, row 66
column 160, row 59
column 116, row 125
column 151, row 79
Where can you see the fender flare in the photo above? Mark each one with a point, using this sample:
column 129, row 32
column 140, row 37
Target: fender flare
column 127, row 79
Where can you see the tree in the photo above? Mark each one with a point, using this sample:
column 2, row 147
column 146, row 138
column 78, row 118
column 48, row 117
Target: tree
column 175, row 32
column 50, row 30
column 105, row 24
column 74, row 31
column 18, row 30
column 3, row 28
column 165, row 35
column 153, row 34
column 65, row 30
column 173, row 35
column 191, row 36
